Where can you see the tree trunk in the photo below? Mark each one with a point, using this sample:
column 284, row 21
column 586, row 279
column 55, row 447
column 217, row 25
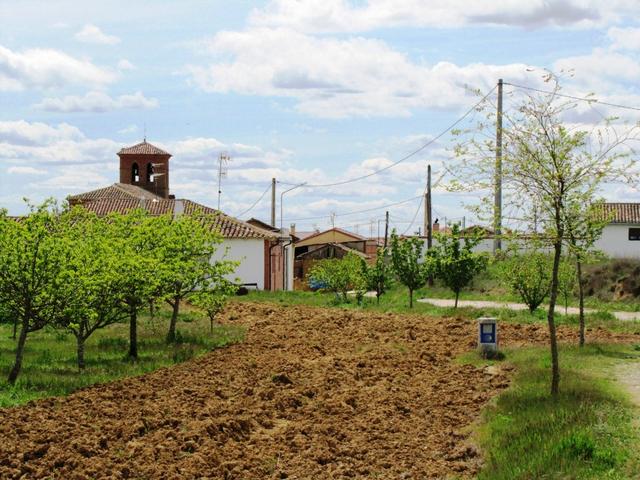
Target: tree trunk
column 555, row 367
column 13, row 374
column 15, row 328
column 410, row 298
column 171, row 336
column 581, row 299
column 80, row 347
column 456, row 304
column 133, row 333
column 152, row 309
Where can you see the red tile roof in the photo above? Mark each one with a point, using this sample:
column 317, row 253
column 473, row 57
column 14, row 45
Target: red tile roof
column 117, row 190
column 627, row 213
column 143, row 148
column 122, row 198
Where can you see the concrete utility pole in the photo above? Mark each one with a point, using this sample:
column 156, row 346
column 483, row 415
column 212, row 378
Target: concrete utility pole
column 428, row 224
column 273, row 202
column 223, row 161
column 386, row 228
column 497, row 209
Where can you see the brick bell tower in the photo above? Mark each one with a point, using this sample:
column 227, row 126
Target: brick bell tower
column 145, row 166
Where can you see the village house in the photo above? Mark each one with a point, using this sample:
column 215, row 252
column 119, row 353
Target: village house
column 144, row 183
column 621, row 237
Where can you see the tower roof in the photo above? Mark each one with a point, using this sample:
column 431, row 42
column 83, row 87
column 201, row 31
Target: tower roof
column 143, row 148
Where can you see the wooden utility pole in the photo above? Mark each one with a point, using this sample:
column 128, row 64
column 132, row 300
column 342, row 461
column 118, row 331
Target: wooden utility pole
column 428, row 223
column 497, row 208
column 273, row 202
column 386, row 228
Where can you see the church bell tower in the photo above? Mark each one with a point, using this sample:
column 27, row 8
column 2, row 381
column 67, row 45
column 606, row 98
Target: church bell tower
column 146, row 166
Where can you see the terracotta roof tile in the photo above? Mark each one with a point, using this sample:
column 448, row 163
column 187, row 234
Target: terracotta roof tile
column 229, row 227
column 627, row 213
column 115, row 191
column 143, row 148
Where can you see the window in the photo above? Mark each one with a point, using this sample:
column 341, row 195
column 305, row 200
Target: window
column 634, row 234
column 149, row 173
column 135, row 173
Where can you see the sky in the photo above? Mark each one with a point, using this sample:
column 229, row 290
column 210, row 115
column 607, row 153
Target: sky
column 315, row 91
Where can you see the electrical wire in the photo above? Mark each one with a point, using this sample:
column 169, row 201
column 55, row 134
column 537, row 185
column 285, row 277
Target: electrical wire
column 355, row 211
column 573, row 97
column 255, row 203
column 408, row 156
column 415, row 215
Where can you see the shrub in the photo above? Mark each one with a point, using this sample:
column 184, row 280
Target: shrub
column 529, row 276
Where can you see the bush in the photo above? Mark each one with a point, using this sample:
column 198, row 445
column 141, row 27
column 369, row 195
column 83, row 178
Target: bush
column 528, row 275
column 340, row 275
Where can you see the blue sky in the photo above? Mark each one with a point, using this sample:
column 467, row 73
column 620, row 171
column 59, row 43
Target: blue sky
column 306, row 90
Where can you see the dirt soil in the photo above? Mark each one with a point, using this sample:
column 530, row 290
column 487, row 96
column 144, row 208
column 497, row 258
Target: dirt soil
column 311, row 393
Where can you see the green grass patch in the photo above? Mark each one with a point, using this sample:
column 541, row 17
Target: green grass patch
column 49, row 367
column 587, row 432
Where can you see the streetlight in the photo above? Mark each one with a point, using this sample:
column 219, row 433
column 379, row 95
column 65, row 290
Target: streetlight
column 282, row 195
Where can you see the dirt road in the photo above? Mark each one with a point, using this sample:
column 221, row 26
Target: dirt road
column 311, row 393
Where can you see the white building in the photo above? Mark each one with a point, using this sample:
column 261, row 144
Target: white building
column 621, row 238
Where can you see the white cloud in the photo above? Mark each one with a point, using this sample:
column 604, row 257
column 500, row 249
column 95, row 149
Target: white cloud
column 26, row 171
column 345, row 16
column 624, row 38
column 48, row 68
column 335, row 78
column 129, row 129
column 92, row 34
column 97, row 102
column 125, row 64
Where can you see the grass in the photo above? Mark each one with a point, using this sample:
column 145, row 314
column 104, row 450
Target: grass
column 49, row 367
column 587, row 432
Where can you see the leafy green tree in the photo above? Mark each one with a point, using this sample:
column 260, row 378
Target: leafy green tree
column 340, row 275
column 528, row 275
column 585, row 223
column 213, row 297
column 187, row 254
column 411, row 267
column 548, row 165
column 456, row 263
column 139, row 238
column 95, row 290
column 566, row 280
column 379, row 276
column 34, row 259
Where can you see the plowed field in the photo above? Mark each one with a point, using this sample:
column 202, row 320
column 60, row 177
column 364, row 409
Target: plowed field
column 311, row 393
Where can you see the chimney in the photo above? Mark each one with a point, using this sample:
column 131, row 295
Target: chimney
column 178, row 208
column 292, row 229
column 436, row 226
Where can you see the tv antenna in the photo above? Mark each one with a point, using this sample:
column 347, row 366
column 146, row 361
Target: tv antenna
column 223, row 167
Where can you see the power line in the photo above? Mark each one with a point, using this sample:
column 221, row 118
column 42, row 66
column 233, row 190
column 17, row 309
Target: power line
column 415, row 215
column 408, row 156
column 256, row 202
column 573, row 97
column 355, row 211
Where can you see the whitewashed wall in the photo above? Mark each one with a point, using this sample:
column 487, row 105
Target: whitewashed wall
column 250, row 253
column 615, row 242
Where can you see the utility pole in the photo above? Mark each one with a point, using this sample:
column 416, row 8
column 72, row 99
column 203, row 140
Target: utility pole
column 428, row 223
column 386, row 228
column 497, row 208
column 273, row 202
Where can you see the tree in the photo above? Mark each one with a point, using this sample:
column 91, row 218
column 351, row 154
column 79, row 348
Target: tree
column 339, row 275
column 378, row 276
column 94, row 290
column 528, row 275
column 138, row 237
column 187, row 253
column 456, row 263
column 566, row 280
column 213, row 297
column 34, row 258
column 585, row 223
column 549, row 165
column 410, row 266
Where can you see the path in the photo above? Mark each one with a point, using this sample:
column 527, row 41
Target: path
column 628, row 374
column 445, row 302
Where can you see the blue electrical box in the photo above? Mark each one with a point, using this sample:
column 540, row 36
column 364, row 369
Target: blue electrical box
column 488, row 334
